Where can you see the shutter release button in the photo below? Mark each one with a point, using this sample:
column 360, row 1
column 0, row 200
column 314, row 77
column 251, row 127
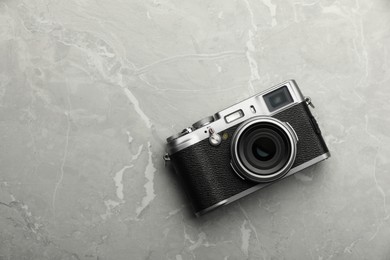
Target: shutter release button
column 203, row 122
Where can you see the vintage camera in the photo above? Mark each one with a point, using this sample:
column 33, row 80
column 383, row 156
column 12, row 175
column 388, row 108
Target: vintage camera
column 247, row 146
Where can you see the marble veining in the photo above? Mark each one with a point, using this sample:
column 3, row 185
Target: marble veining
column 89, row 90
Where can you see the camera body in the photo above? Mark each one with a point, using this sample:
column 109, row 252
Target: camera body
column 246, row 147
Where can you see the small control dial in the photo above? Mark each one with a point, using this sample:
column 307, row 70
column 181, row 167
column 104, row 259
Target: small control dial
column 203, row 122
column 173, row 137
column 183, row 132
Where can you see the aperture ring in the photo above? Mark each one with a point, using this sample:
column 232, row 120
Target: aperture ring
column 265, row 171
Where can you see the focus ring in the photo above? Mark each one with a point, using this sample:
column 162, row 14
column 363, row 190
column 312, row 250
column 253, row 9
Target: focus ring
column 252, row 159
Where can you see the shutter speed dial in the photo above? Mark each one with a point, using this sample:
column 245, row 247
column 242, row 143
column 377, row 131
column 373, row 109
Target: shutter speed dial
column 196, row 125
column 203, row 122
column 183, row 132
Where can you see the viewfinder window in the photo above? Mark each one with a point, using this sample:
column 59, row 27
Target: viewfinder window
column 278, row 98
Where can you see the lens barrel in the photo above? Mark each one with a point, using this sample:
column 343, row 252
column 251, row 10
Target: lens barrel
column 263, row 149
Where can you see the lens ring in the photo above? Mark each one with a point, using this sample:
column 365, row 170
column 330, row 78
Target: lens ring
column 275, row 163
column 250, row 159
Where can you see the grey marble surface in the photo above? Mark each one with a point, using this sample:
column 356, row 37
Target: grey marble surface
column 89, row 90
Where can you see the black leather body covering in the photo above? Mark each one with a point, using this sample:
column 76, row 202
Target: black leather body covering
column 206, row 172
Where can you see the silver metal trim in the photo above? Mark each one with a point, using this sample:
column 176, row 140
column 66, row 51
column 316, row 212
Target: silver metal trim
column 308, row 102
column 166, row 157
column 262, row 185
column 203, row 122
column 257, row 102
column 199, row 213
column 246, row 173
column 185, row 131
column 293, row 131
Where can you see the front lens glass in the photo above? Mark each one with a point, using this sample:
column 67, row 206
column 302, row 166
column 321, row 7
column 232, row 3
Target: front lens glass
column 264, row 149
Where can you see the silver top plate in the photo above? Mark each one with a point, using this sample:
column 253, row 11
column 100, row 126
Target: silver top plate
column 253, row 106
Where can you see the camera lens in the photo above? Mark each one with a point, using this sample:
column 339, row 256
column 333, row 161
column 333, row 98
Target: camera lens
column 263, row 149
